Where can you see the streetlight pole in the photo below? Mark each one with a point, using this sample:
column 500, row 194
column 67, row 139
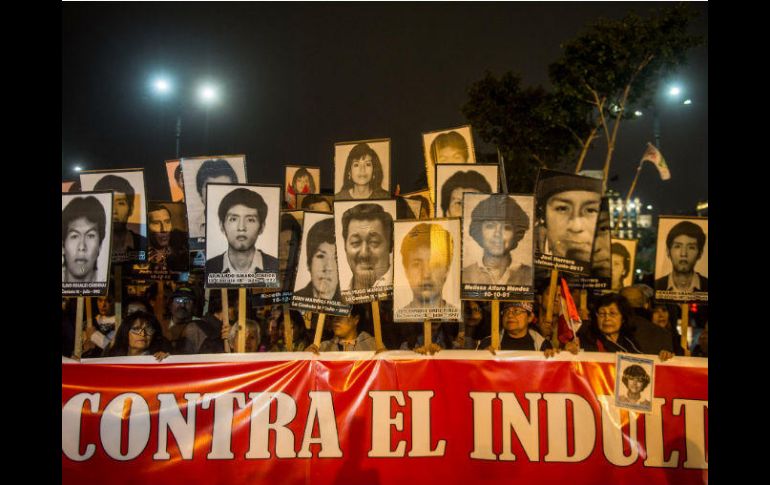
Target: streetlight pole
column 178, row 131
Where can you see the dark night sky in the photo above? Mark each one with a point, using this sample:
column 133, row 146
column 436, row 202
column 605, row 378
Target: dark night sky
column 299, row 77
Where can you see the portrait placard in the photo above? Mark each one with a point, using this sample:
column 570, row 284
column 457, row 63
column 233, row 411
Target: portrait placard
column 289, row 241
column 300, row 179
column 599, row 280
column 362, row 169
column 425, row 197
column 168, row 254
column 427, row 270
column 452, row 145
column 317, row 286
column 316, row 203
column 567, row 210
column 681, row 259
column 129, row 237
column 242, row 235
column 364, row 235
column 634, row 382
column 497, row 247
column 453, row 180
column 623, row 254
column 196, row 173
column 175, row 180
column 67, row 185
column 86, row 229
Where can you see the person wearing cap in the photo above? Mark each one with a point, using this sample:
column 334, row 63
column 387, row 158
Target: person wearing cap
column 181, row 308
column 516, row 333
column 567, row 210
column 498, row 224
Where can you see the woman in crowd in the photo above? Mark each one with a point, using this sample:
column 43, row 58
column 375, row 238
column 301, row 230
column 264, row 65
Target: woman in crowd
column 665, row 316
column 478, row 325
column 139, row 334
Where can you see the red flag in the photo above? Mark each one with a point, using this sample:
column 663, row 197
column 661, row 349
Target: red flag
column 291, row 196
column 569, row 318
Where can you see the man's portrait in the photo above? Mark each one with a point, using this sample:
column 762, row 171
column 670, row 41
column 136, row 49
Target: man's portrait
column 497, row 244
column 167, row 250
column 197, row 173
column 317, row 276
column 427, row 275
column 129, row 230
column 364, row 231
column 362, row 170
column 315, row 202
column 452, row 181
column 681, row 263
column 289, row 239
column 242, row 236
column 451, row 145
column 300, row 180
column 634, row 383
column 623, row 254
column 85, row 243
column 175, row 180
column 567, row 209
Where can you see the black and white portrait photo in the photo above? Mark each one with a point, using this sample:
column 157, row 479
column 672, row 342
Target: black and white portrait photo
column 242, row 236
column 567, row 209
column 300, row 179
column 86, row 233
column 362, row 170
column 497, row 247
column 634, row 383
column 197, row 172
column 317, row 285
column 175, row 180
column 364, row 235
column 315, row 202
column 289, row 240
column 453, row 180
column 681, row 259
column 451, row 145
column 129, row 230
column 623, row 254
column 427, row 270
column 601, row 263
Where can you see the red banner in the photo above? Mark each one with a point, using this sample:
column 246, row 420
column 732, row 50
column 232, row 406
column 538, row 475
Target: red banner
column 458, row 417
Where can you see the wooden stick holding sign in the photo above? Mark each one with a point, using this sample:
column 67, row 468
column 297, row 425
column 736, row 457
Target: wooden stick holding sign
column 89, row 313
column 495, row 325
column 288, row 328
column 226, row 315
column 583, row 304
column 78, row 350
column 319, row 330
column 427, row 337
column 118, row 292
column 159, row 299
column 549, row 308
column 685, row 329
column 240, row 344
column 378, row 345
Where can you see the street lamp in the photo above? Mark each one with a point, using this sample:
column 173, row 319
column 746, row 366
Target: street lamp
column 672, row 93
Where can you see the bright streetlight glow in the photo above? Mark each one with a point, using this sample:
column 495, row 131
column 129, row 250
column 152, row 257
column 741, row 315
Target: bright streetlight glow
column 649, row 207
column 162, row 86
column 687, row 101
column 675, row 91
column 638, row 113
column 78, row 168
column 208, row 94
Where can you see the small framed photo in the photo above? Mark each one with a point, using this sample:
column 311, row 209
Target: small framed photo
column 453, row 180
column 426, row 283
column 175, row 180
column 317, row 286
column 364, row 231
column 242, row 235
column 634, row 383
column 623, row 254
column 300, row 179
column 129, row 228
column 197, row 173
column 362, row 170
column 682, row 259
column 168, row 253
column 451, row 145
column 86, row 228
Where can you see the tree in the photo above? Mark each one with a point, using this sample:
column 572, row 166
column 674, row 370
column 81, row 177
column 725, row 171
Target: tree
column 617, row 63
